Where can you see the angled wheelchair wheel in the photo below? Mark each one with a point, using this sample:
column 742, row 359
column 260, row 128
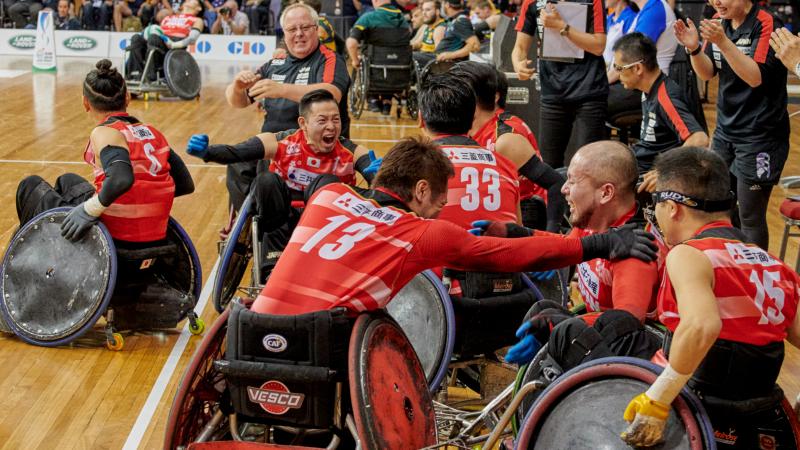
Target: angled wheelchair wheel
column 236, row 253
column 188, row 275
column 196, row 412
column 358, row 90
column 604, row 387
column 182, row 74
column 47, row 299
column 424, row 312
column 391, row 406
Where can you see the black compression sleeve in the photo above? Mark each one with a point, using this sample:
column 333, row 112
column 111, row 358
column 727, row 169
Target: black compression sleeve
column 117, row 167
column 180, row 175
column 249, row 150
column 362, row 163
column 545, row 176
column 318, row 183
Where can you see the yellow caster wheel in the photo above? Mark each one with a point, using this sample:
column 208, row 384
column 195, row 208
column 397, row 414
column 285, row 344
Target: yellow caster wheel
column 117, row 344
column 197, row 327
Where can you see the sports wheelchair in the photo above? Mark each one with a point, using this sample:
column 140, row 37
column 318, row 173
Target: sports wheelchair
column 383, row 71
column 54, row 291
column 179, row 76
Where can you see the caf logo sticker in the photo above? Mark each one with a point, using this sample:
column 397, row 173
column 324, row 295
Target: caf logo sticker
column 274, row 343
column 274, row 397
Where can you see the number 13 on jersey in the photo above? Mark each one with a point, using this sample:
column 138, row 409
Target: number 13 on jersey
column 348, row 237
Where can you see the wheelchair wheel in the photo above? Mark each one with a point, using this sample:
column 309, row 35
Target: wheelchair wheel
column 200, row 392
column 412, row 104
column 182, row 74
column 358, row 90
column 234, row 258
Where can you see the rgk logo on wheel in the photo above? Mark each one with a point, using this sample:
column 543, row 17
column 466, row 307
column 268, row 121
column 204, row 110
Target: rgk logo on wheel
column 275, row 398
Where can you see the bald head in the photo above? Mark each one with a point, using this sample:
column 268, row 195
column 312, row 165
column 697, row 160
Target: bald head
column 609, row 162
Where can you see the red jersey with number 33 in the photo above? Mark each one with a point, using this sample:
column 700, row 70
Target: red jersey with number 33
column 142, row 213
column 335, row 220
column 485, row 185
column 757, row 294
column 297, row 164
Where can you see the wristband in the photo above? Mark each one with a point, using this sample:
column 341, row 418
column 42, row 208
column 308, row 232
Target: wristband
column 93, row 207
column 668, row 385
column 695, row 51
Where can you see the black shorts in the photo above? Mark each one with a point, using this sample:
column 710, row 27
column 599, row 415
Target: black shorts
column 755, row 163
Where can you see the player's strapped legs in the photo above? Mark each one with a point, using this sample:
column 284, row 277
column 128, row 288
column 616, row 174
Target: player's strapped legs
column 159, row 48
column 137, row 55
column 238, row 180
column 35, row 195
column 273, row 201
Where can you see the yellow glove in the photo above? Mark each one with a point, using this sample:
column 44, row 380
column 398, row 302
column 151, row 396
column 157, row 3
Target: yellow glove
column 649, row 418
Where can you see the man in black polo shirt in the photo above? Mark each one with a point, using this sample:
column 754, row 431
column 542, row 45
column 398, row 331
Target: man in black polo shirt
column 573, row 93
column 280, row 83
column 667, row 122
column 459, row 37
column 384, row 27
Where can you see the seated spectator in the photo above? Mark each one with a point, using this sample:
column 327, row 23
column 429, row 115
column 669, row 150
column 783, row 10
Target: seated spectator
column 97, row 14
column 24, row 12
column 654, row 18
column 230, row 20
column 64, row 19
column 485, row 19
column 432, row 30
column 179, row 31
column 212, row 9
column 416, row 19
column 459, row 37
column 384, row 27
column 124, row 9
column 668, row 121
column 258, row 14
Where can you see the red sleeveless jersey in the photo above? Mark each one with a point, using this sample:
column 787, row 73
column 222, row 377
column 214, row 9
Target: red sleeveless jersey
column 297, row 164
column 504, row 122
column 142, row 213
column 597, row 278
column 485, row 185
column 357, row 250
column 757, row 294
column 178, row 25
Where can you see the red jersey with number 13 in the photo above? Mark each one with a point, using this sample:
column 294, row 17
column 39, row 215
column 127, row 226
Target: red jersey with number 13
column 485, row 186
column 142, row 213
column 757, row 294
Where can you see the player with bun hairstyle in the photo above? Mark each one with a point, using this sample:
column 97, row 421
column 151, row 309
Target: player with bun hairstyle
column 136, row 174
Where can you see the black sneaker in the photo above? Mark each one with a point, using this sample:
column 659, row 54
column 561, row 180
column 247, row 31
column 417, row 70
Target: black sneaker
column 387, row 109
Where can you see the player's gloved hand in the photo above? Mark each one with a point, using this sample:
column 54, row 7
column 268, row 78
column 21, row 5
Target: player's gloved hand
column 77, row 223
column 648, row 419
column 533, row 333
column 165, row 39
column 523, row 351
column 542, row 276
column 373, row 167
column 499, row 229
column 198, row 145
column 627, row 241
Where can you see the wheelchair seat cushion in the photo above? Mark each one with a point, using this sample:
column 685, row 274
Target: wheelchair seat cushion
column 790, row 209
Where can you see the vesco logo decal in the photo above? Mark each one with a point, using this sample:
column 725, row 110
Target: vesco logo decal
column 80, row 43
column 246, row 48
column 274, row 397
column 23, row 41
column 274, row 343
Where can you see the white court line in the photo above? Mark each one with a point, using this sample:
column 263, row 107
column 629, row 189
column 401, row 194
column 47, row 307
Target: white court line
column 76, row 163
column 150, row 405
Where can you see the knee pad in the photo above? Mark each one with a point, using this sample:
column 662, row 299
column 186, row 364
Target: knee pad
column 625, row 335
column 573, row 342
column 29, row 194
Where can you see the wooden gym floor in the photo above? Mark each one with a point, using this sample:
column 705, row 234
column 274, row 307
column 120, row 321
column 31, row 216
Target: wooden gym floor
column 85, row 396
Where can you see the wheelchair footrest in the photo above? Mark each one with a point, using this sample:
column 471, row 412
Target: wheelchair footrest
column 286, row 372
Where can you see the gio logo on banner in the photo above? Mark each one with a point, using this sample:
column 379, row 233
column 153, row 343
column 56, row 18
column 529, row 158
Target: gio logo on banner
column 246, row 48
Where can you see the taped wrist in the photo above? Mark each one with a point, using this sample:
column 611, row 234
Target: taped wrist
column 362, row 163
column 93, row 207
column 668, row 385
column 249, row 150
column 116, row 162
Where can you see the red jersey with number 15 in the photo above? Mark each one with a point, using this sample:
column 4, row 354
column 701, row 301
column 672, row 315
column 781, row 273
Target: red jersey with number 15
column 485, row 185
column 297, row 164
column 757, row 294
column 142, row 213
column 504, row 122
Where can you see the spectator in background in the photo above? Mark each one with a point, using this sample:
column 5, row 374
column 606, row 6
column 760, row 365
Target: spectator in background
column 362, row 6
column 416, row 19
column 655, row 20
column 230, row 20
column 64, row 19
column 326, row 32
column 212, row 8
column 431, row 32
column 124, row 9
column 24, row 12
column 459, row 37
column 258, row 15
column 618, row 24
column 485, row 18
column 151, row 9
column 97, row 14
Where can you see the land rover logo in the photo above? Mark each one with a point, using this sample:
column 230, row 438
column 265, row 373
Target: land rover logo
column 23, row 41
column 80, row 43
column 274, row 343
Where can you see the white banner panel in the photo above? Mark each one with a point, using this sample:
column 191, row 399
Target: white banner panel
column 117, row 43
column 82, row 43
column 17, row 42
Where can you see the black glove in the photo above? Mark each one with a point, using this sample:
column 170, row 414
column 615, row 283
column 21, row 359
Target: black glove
column 499, row 229
column 542, row 323
column 620, row 243
column 77, row 223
